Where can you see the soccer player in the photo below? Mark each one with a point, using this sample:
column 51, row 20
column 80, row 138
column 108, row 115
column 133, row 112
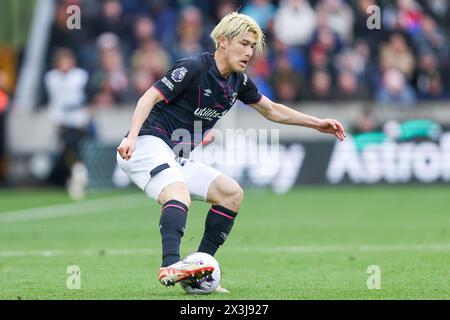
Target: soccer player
column 199, row 88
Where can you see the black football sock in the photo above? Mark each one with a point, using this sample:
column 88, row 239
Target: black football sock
column 171, row 226
column 218, row 224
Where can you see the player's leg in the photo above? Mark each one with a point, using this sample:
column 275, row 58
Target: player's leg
column 225, row 195
column 153, row 168
column 175, row 202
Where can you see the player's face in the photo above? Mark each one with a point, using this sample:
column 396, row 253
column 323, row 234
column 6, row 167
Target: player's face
column 239, row 51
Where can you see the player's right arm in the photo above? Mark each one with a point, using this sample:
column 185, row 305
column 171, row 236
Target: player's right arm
column 168, row 88
column 143, row 108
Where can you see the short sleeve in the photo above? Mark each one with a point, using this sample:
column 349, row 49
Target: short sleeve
column 248, row 92
column 177, row 79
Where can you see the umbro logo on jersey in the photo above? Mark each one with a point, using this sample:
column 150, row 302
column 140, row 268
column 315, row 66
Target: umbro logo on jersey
column 223, row 235
column 207, row 92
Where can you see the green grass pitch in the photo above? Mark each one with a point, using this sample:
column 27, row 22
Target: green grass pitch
column 312, row 243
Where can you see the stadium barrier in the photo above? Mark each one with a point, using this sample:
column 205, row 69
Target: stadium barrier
column 413, row 148
column 414, row 151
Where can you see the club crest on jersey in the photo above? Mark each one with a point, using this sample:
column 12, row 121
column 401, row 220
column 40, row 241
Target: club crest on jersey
column 178, row 74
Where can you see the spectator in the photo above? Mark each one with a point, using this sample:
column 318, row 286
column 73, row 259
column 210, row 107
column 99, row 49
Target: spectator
column 398, row 55
column 143, row 30
column 320, row 87
column 405, row 15
column 286, row 87
column 151, row 58
column 320, row 39
column 351, row 60
column 367, row 71
column 262, row 11
column 148, row 64
column 190, row 34
column 348, row 87
column 363, row 56
column 434, row 89
column 429, row 82
column 294, row 22
column 339, row 16
column 112, row 19
column 395, row 89
column 110, row 83
column 165, row 19
column 427, row 68
column 223, row 8
column 66, row 85
column 318, row 58
column 432, row 37
column 285, row 81
column 439, row 9
column 327, row 39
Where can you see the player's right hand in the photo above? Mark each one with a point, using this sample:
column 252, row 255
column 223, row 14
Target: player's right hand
column 126, row 148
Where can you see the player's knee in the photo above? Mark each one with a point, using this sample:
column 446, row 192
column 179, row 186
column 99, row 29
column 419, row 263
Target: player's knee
column 234, row 195
column 226, row 192
column 238, row 195
column 175, row 191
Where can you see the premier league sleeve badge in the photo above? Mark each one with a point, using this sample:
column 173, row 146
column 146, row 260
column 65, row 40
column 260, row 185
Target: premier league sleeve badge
column 178, row 74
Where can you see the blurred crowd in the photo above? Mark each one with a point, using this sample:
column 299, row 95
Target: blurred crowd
column 317, row 50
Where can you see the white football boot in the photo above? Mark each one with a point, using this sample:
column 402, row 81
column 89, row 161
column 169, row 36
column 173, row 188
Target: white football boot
column 180, row 270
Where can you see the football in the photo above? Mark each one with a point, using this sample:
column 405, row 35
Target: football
column 207, row 284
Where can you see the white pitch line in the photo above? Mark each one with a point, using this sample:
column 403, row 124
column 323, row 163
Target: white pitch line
column 267, row 250
column 72, row 209
column 59, row 253
column 347, row 248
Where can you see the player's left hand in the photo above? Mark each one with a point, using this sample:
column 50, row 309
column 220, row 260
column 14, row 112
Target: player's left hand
column 333, row 127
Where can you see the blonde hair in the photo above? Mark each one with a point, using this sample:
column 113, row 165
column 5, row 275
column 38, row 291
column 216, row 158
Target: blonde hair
column 234, row 24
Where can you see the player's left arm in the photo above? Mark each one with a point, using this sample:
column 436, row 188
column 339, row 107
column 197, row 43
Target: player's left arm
column 280, row 113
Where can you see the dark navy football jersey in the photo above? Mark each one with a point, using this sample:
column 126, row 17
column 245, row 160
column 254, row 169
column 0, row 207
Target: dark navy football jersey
column 196, row 96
